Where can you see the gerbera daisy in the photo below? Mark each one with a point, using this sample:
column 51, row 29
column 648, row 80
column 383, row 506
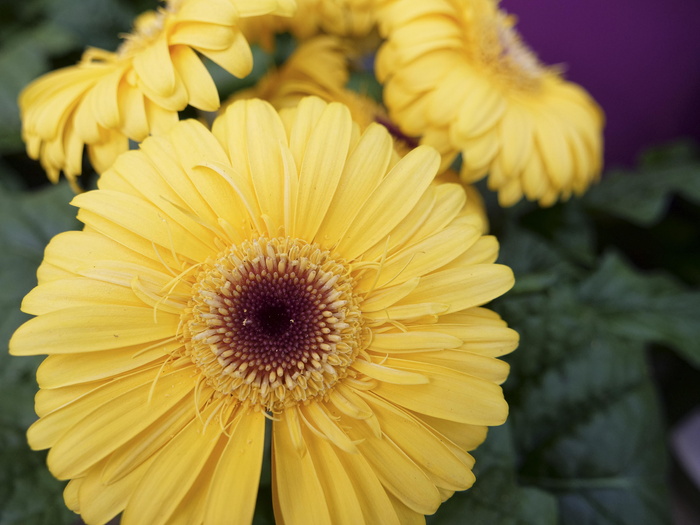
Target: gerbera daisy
column 278, row 270
column 346, row 18
column 111, row 97
column 319, row 67
column 457, row 73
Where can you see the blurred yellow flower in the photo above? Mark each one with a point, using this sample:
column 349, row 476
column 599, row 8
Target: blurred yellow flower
column 111, row 97
column 457, row 73
column 354, row 19
column 276, row 270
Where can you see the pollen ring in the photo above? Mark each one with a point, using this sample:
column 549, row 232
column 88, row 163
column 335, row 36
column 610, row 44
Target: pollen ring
column 273, row 322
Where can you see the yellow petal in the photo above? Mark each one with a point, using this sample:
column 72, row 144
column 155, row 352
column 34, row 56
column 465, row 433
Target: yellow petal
column 132, row 112
column 68, row 369
column 173, row 472
column 406, row 515
column 361, row 175
column 391, row 201
column 103, row 99
column 407, row 312
column 152, row 439
column 387, row 374
column 412, row 341
column 265, row 138
column 466, row 437
column 339, row 492
column 103, row 153
column 483, row 251
column 200, row 87
column 74, row 251
column 297, row 494
column 485, row 367
column 321, row 420
column 220, row 12
column 378, row 300
column 160, row 119
column 47, row 400
column 143, row 222
column 374, row 500
column 115, row 422
column 450, row 200
column 237, row 59
column 234, row 485
column 84, row 329
column 429, row 254
column 63, row 408
column 444, row 468
column 449, row 394
column 76, row 291
column 396, row 471
column 321, row 167
column 516, row 130
column 481, row 109
column 397, row 238
column 99, row 503
column 553, row 149
column 70, row 494
column 462, row 288
column 155, row 68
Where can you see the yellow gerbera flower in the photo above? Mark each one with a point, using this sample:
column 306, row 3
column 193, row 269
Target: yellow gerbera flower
column 345, row 18
column 275, row 270
column 319, row 67
column 457, row 73
column 111, row 97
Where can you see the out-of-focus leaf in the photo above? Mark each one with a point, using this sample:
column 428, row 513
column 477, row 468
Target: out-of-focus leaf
column 584, row 413
column 24, row 57
column 28, row 493
column 97, row 23
column 644, row 308
column 642, row 197
column 497, row 496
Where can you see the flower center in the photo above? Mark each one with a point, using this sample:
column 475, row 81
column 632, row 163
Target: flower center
column 273, row 322
column 147, row 27
column 503, row 51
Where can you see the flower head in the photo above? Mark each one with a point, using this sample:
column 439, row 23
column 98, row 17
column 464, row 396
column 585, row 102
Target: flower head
column 345, row 18
column 457, row 73
column 111, row 97
column 279, row 268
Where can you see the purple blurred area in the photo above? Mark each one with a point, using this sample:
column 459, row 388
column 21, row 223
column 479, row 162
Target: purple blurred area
column 640, row 59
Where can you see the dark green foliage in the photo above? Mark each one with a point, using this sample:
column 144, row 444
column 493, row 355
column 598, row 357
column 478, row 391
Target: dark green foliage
column 28, row 493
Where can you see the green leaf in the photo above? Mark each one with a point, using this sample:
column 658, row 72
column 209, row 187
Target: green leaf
column 645, row 307
column 643, row 197
column 28, row 492
column 100, row 22
column 584, row 413
column 497, row 496
column 24, row 57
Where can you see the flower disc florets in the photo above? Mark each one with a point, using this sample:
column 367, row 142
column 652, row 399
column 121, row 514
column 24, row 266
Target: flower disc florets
column 273, row 322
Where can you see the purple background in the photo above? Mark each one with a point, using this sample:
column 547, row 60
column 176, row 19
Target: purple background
column 640, row 59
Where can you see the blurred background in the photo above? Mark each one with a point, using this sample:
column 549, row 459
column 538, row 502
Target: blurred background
column 640, row 59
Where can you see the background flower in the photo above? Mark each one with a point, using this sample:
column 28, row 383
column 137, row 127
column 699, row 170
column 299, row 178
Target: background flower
column 111, row 97
column 458, row 74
